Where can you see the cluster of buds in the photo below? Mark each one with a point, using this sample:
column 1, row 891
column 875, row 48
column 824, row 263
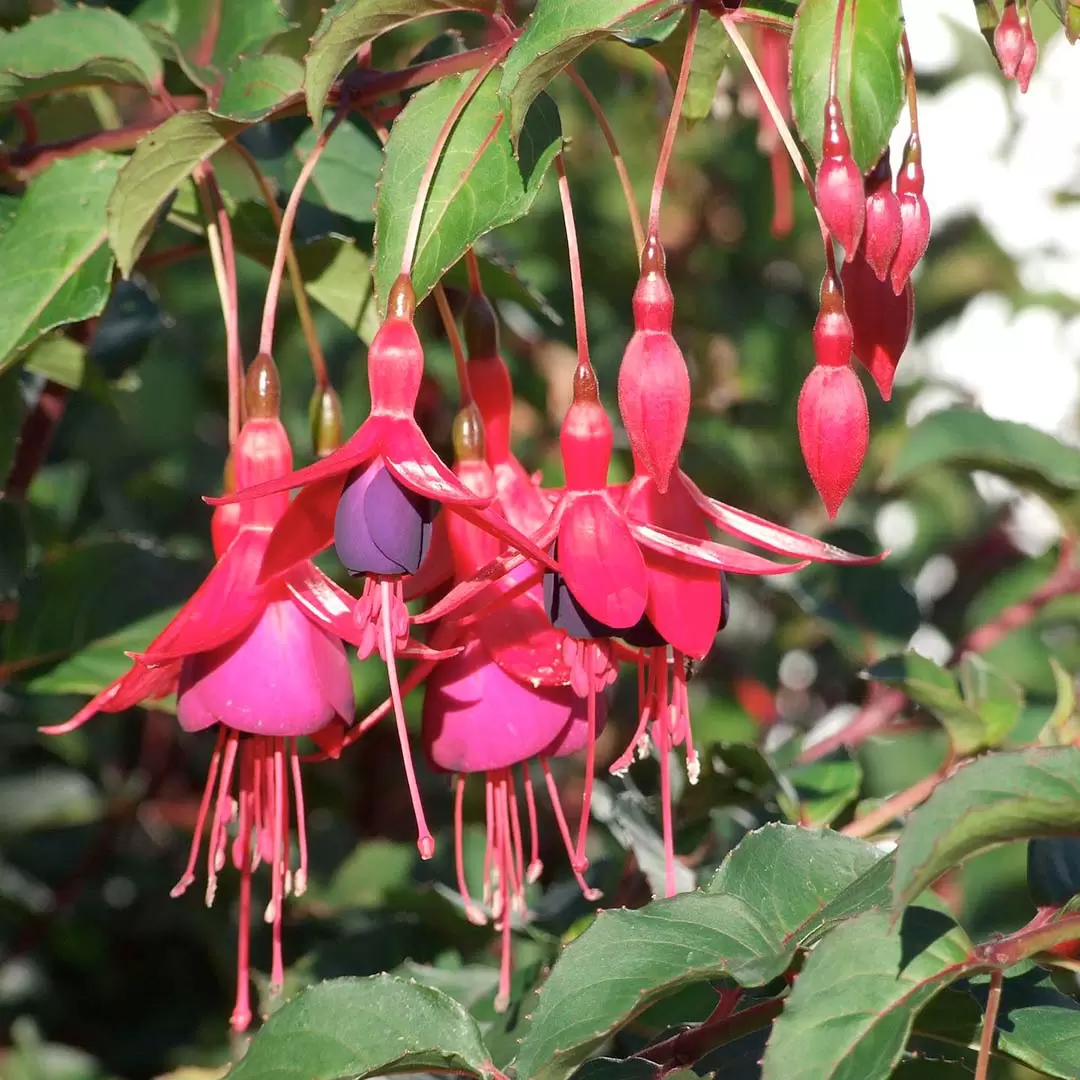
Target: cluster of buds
column 1015, row 44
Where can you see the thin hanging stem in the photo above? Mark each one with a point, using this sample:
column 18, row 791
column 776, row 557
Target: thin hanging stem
column 616, row 157
column 672, row 125
column 909, row 83
column 412, row 236
column 986, row 1043
column 273, row 288
column 838, row 34
column 743, row 49
column 292, row 264
column 456, row 347
column 472, row 265
column 575, row 264
column 223, row 259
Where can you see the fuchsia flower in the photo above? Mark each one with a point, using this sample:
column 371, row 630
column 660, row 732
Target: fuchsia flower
column 373, row 499
column 262, row 659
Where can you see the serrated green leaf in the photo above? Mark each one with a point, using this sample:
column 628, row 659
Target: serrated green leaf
column 973, row 440
column 345, row 178
column 852, row 1007
column 745, row 927
column 349, row 24
column 869, row 79
column 823, row 790
column 103, row 661
column 348, row 1029
column 557, row 33
column 162, row 160
column 469, row 195
column 258, row 86
column 712, row 51
column 55, row 266
column 208, row 37
column 1002, row 796
column 75, row 47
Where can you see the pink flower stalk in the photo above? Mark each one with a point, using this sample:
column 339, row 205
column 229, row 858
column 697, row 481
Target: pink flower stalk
column 374, row 499
column 263, row 661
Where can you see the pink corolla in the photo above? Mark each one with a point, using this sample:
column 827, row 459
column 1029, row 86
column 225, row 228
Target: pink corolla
column 263, row 661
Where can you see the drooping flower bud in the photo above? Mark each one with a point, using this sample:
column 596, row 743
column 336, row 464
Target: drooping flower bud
column 914, row 216
column 834, row 430
column 882, row 235
column 839, row 184
column 1009, row 41
column 654, row 385
column 381, row 527
column 1026, row 68
column 325, row 421
column 833, row 338
column 881, row 321
column 396, row 357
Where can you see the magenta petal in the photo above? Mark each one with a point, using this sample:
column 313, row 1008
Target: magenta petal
column 223, row 605
column 411, row 459
column 574, row 736
column 707, row 553
column 477, row 718
column 284, row 677
column 305, row 529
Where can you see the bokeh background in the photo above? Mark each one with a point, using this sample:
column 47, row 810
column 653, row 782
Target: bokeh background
column 102, row 975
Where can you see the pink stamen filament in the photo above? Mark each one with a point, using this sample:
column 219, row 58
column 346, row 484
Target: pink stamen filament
column 663, row 746
column 241, row 1016
column 536, row 867
column 515, row 825
column 301, row 876
column 425, row 841
column 472, row 912
column 280, row 809
column 215, row 853
column 588, row 892
column 188, row 876
column 581, row 861
column 489, row 842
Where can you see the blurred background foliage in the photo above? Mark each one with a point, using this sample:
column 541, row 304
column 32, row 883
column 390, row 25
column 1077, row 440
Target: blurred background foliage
column 101, row 974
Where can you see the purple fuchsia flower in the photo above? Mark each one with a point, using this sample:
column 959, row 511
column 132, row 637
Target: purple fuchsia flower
column 261, row 660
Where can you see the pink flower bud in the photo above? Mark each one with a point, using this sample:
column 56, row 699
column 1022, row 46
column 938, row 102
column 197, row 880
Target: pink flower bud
column 832, row 335
column 914, row 216
column 880, row 319
column 881, row 237
column 839, row 184
column 654, row 385
column 834, row 429
column 1009, row 41
column 1026, row 68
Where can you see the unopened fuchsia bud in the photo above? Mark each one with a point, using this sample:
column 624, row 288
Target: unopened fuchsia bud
column 325, row 420
column 833, row 336
column 833, row 420
column 1009, row 41
column 881, row 236
column 914, row 215
column 880, row 319
column 1026, row 68
column 839, row 184
column 1072, row 21
column 654, row 385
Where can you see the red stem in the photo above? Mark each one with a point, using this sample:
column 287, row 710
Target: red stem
column 986, row 1043
column 575, row 264
column 838, row 34
column 673, row 124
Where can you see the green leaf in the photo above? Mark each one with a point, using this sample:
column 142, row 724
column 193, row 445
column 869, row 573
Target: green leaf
column 617, row 1069
column 72, row 48
column 869, row 78
column 852, row 1007
column 1000, row 797
column 771, row 894
column 346, row 176
column 973, row 440
column 55, row 267
column 11, row 415
column 207, row 37
column 258, row 86
column 103, row 661
column 1063, row 727
column 823, row 790
column 348, row 1029
column 59, row 358
column 559, row 31
column 978, row 711
column 349, row 24
column 712, row 50
column 162, row 160
column 470, row 195
column 1039, row 1026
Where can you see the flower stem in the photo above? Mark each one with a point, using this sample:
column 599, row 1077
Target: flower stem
column 292, row 264
column 223, row 258
column 909, row 83
column 834, row 61
column 616, row 157
column 273, row 288
column 472, row 265
column 575, row 264
column 672, row 125
column 986, row 1043
column 456, row 347
column 412, row 236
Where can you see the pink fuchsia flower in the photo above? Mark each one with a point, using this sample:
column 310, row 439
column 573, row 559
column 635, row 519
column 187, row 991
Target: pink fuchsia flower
column 261, row 660
column 373, row 498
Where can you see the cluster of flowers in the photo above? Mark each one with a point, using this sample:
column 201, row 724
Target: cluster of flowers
column 1015, row 44
column 539, row 596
